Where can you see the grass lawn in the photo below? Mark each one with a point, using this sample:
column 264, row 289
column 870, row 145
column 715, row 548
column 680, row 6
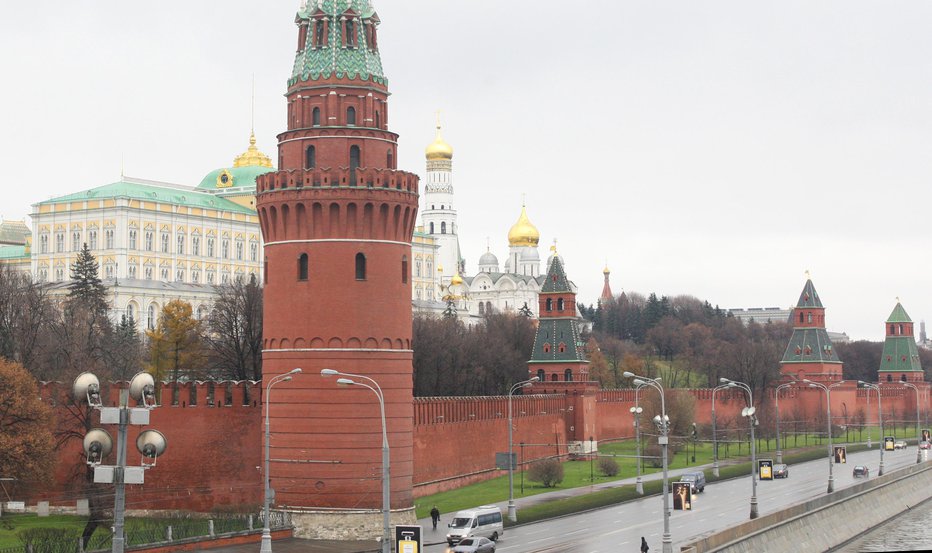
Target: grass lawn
column 10, row 523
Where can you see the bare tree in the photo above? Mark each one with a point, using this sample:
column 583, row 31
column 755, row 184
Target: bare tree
column 25, row 315
column 235, row 331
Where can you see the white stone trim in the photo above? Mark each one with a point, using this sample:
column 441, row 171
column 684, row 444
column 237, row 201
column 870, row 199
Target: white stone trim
column 397, row 243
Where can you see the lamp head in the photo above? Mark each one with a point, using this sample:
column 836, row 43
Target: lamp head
column 657, row 420
column 345, row 381
column 812, row 385
column 286, row 379
column 628, row 374
column 724, row 380
column 806, row 380
column 534, row 379
column 328, row 372
column 294, row 371
column 639, row 382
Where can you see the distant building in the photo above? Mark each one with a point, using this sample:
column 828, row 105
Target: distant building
column 15, row 242
column 762, row 315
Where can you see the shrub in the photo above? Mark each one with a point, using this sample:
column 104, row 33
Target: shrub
column 608, row 466
column 49, row 540
column 548, row 472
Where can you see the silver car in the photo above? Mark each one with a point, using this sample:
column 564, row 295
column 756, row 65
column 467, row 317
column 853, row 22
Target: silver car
column 475, row 545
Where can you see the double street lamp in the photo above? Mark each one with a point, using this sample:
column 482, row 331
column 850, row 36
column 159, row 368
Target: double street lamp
column 663, row 425
column 777, row 396
column 918, row 431
column 750, row 413
column 512, row 510
column 636, row 411
column 714, row 442
column 373, row 386
column 266, row 543
column 870, row 386
column 831, row 452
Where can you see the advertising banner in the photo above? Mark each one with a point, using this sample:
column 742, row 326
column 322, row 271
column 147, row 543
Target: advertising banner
column 888, row 443
column 682, row 496
column 841, row 454
column 408, row 539
column 765, row 469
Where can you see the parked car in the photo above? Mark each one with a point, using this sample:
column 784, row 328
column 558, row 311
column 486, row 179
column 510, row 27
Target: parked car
column 475, row 545
column 484, row 521
column 780, row 470
column 924, row 445
column 696, row 481
column 899, row 444
column 861, row 470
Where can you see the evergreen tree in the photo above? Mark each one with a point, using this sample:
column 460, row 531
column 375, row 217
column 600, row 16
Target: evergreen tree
column 450, row 311
column 86, row 287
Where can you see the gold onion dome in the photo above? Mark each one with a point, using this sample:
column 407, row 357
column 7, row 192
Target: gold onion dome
column 523, row 233
column 605, row 271
column 456, row 280
column 439, row 149
column 252, row 156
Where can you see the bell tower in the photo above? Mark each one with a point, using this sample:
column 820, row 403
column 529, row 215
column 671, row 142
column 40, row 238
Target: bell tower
column 337, row 220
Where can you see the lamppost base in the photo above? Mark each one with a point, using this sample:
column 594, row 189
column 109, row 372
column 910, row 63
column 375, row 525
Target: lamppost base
column 880, row 470
column 779, row 457
column 715, row 469
column 266, row 543
column 639, row 486
column 754, row 512
column 512, row 512
column 667, row 541
column 831, row 485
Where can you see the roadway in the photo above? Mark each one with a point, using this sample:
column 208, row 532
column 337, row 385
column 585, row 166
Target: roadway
column 723, row 504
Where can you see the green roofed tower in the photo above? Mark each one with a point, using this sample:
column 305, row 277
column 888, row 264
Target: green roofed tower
column 900, row 358
column 810, row 353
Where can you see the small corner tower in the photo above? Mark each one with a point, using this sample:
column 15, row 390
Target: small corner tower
column 900, row 359
column 810, row 353
column 337, row 219
column 439, row 214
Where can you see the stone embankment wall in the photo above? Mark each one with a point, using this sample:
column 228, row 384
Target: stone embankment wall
column 826, row 522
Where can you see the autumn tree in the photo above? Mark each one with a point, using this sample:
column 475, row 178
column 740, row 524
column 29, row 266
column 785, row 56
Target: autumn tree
column 235, row 324
column 27, row 445
column 25, row 315
column 176, row 347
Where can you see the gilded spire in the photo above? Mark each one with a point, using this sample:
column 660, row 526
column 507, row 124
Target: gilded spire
column 252, row 156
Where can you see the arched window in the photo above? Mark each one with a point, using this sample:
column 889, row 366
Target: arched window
column 350, row 33
column 568, row 375
column 443, row 227
column 404, row 269
column 431, row 227
column 131, row 312
column 310, row 158
column 350, row 116
column 488, row 307
column 554, row 377
column 800, row 316
column 150, row 319
column 892, row 329
column 353, row 163
column 899, row 329
column 315, row 117
column 319, row 33
column 541, row 376
column 559, row 304
column 390, row 160
column 547, row 348
column 378, row 121
column 889, row 378
column 302, row 267
column 360, row 266
column 481, row 308
column 549, row 304
column 902, row 378
column 809, row 317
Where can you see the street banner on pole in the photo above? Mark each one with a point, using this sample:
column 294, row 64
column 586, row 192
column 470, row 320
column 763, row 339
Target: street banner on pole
column 765, row 469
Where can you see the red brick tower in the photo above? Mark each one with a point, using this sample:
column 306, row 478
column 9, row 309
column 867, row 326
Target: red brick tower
column 810, row 353
column 337, row 219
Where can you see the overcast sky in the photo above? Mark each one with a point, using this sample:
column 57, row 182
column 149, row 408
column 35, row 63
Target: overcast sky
column 717, row 149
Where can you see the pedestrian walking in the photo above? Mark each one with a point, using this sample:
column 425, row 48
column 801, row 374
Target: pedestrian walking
column 435, row 516
column 644, row 546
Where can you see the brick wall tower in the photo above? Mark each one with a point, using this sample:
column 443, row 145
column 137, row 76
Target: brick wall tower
column 558, row 358
column 810, row 353
column 900, row 359
column 337, row 219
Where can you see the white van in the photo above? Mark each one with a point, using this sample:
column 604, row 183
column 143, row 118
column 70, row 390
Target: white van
column 484, row 521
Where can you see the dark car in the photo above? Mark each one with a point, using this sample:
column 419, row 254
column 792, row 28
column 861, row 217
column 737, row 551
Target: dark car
column 696, row 481
column 861, row 470
column 780, row 470
column 475, row 545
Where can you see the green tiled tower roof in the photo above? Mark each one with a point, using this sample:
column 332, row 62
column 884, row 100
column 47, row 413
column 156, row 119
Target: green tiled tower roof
column 556, row 332
column 556, row 277
column 810, row 345
column 332, row 59
column 899, row 315
column 809, row 297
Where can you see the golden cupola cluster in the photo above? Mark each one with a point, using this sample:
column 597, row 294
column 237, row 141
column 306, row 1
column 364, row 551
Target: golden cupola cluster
column 439, row 149
column 252, row 157
column 523, row 232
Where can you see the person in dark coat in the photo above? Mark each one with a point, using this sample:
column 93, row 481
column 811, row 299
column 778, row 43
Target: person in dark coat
column 644, row 546
column 435, row 516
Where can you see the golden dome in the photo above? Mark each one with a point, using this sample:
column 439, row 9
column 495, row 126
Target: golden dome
column 523, row 233
column 456, row 280
column 439, row 149
column 605, row 271
column 252, row 156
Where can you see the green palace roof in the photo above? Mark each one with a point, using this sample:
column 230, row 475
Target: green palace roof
column 332, row 59
column 238, row 177
column 153, row 192
column 13, row 252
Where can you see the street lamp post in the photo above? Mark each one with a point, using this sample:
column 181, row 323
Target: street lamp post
column 918, row 435
column 870, row 386
column 636, row 411
column 512, row 510
column 714, row 440
column 663, row 425
column 266, row 542
column 386, row 471
column 777, row 396
column 749, row 412
column 831, row 460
